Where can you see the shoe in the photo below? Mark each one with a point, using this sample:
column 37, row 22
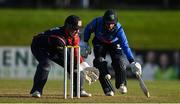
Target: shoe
column 123, row 89
column 36, row 94
column 110, row 93
column 85, row 94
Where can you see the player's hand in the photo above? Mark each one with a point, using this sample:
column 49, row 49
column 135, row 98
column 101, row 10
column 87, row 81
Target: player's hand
column 91, row 74
column 85, row 49
column 136, row 68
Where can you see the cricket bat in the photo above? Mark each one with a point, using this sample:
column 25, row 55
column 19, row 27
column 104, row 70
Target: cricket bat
column 143, row 86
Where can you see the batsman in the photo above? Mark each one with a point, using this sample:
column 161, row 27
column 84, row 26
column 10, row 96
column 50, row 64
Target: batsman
column 49, row 46
column 110, row 38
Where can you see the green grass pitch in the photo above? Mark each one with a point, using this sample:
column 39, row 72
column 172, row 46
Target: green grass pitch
column 17, row 91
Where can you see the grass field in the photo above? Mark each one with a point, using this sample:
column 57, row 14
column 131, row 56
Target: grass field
column 144, row 29
column 17, row 91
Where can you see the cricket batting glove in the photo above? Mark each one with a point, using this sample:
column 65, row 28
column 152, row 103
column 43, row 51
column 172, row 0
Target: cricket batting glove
column 85, row 49
column 136, row 68
column 91, row 74
column 88, row 48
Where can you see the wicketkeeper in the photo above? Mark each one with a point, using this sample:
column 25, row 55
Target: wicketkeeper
column 110, row 38
column 49, row 46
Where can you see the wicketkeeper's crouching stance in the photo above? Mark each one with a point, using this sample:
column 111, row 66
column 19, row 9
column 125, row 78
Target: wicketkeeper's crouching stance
column 49, row 46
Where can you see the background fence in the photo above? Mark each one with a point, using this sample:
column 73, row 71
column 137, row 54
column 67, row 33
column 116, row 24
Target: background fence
column 97, row 4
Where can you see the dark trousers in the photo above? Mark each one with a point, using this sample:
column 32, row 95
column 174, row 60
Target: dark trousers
column 44, row 63
column 118, row 64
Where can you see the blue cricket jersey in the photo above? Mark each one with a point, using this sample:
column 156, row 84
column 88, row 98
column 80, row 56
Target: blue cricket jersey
column 116, row 36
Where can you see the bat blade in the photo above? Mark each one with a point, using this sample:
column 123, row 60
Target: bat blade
column 143, row 86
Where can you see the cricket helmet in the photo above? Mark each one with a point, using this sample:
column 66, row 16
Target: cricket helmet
column 73, row 22
column 110, row 16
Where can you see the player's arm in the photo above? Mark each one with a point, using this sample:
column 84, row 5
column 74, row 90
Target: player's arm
column 90, row 28
column 135, row 66
column 57, row 43
column 124, row 44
